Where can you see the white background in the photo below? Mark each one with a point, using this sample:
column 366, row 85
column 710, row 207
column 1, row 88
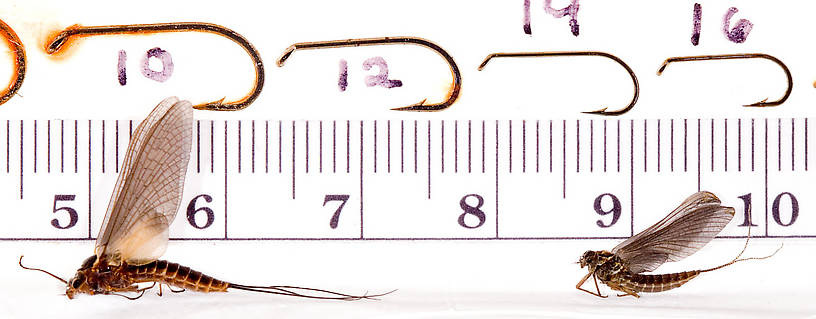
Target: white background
column 435, row 278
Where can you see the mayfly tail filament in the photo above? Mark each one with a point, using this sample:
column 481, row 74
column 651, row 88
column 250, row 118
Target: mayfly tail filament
column 290, row 291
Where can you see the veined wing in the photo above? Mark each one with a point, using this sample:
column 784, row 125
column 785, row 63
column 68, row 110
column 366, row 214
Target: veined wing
column 148, row 190
column 678, row 235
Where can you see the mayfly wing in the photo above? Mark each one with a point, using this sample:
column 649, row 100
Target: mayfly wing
column 149, row 187
column 681, row 233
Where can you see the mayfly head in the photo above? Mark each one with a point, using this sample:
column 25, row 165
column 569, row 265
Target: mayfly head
column 83, row 281
column 593, row 259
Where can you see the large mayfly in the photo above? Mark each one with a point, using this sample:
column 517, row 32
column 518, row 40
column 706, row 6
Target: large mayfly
column 145, row 199
column 678, row 235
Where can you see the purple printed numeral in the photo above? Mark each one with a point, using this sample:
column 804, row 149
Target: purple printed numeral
column 739, row 33
column 380, row 79
column 167, row 65
column 570, row 10
column 342, row 80
column 121, row 68
column 696, row 21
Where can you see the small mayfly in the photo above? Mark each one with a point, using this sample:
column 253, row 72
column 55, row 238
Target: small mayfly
column 145, row 200
column 681, row 233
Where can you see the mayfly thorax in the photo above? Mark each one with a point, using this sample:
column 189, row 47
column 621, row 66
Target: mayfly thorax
column 678, row 235
column 145, row 200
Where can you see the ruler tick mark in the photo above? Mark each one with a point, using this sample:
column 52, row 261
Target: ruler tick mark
column 35, row 145
column 237, row 146
column 619, row 146
column 698, row 155
column 76, row 146
column 752, row 145
column 334, row 146
column 212, row 146
column 21, row 158
column 793, row 145
column 712, row 145
column 48, row 162
column 306, row 165
column 483, row 146
column 62, row 147
column 388, row 146
column 415, row 147
column 577, row 146
column 658, row 145
column 739, row 145
column 198, row 146
column 509, row 145
column 402, row 146
column 115, row 147
column 725, row 145
column 779, row 144
column 253, row 146
column 294, row 143
column 685, row 145
column 551, row 146
column 280, row 146
column 564, row 158
column 591, row 145
column 429, row 159
column 671, row 145
column 266, row 146
column 442, row 147
column 375, row 146
column 320, row 146
column 604, row 147
column 523, row 146
column 469, row 146
column 456, row 146
column 103, row 147
column 348, row 146
column 645, row 149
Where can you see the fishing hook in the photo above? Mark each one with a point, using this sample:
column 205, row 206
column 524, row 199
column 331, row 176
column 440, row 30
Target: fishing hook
column 453, row 94
column 762, row 103
column 56, row 43
column 602, row 110
column 18, row 52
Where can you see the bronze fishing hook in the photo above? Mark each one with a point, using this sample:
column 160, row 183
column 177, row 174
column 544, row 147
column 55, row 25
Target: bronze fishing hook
column 602, row 110
column 453, row 94
column 762, row 103
column 18, row 53
column 65, row 36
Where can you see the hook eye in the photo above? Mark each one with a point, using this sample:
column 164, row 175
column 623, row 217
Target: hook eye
column 602, row 110
column 762, row 103
column 58, row 42
column 19, row 60
column 453, row 94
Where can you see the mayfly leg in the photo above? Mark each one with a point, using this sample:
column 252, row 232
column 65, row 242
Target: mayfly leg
column 583, row 280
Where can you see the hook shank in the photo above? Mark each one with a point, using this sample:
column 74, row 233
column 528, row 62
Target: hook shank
column 762, row 103
column 453, row 94
column 64, row 36
column 19, row 60
column 602, row 110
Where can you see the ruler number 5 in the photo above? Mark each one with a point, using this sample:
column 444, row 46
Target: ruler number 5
column 336, row 216
column 72, row 213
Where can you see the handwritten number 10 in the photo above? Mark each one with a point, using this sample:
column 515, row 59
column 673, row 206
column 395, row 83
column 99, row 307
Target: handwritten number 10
column 159, row 76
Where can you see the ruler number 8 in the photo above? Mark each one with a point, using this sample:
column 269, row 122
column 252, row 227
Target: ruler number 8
column 472, row 210
column 616, row 210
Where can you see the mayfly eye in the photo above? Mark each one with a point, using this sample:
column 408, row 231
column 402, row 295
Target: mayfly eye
column 75, row 284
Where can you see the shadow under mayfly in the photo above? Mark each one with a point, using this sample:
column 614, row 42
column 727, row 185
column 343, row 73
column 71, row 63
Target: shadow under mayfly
column 145, row 200
column 678, row 235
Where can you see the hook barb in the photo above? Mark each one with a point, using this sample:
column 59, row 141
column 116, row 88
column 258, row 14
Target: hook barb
column 453, row 94
column 58, row 41
column 602, row 110
column 19, row 61
column 762, row 103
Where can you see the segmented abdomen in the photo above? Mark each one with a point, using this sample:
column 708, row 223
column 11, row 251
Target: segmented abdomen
column 176, row 275
column 657, row 283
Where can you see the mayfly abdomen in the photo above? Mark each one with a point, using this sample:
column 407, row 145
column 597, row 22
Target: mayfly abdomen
column 177, row 275
column 657, row 283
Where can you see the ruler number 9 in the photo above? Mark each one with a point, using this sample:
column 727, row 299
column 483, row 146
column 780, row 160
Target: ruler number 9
column 472, row 210
column 73, row 217
column 616, row 210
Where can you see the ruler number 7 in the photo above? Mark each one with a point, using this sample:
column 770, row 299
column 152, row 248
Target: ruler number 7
column 336, row 216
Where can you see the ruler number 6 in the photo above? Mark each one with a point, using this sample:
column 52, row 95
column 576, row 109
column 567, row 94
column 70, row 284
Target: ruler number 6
column 72, row 213
column 336, row 216
column 192, row 210
column 616, row 210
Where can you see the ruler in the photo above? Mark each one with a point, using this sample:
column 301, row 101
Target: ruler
column 469, row 179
